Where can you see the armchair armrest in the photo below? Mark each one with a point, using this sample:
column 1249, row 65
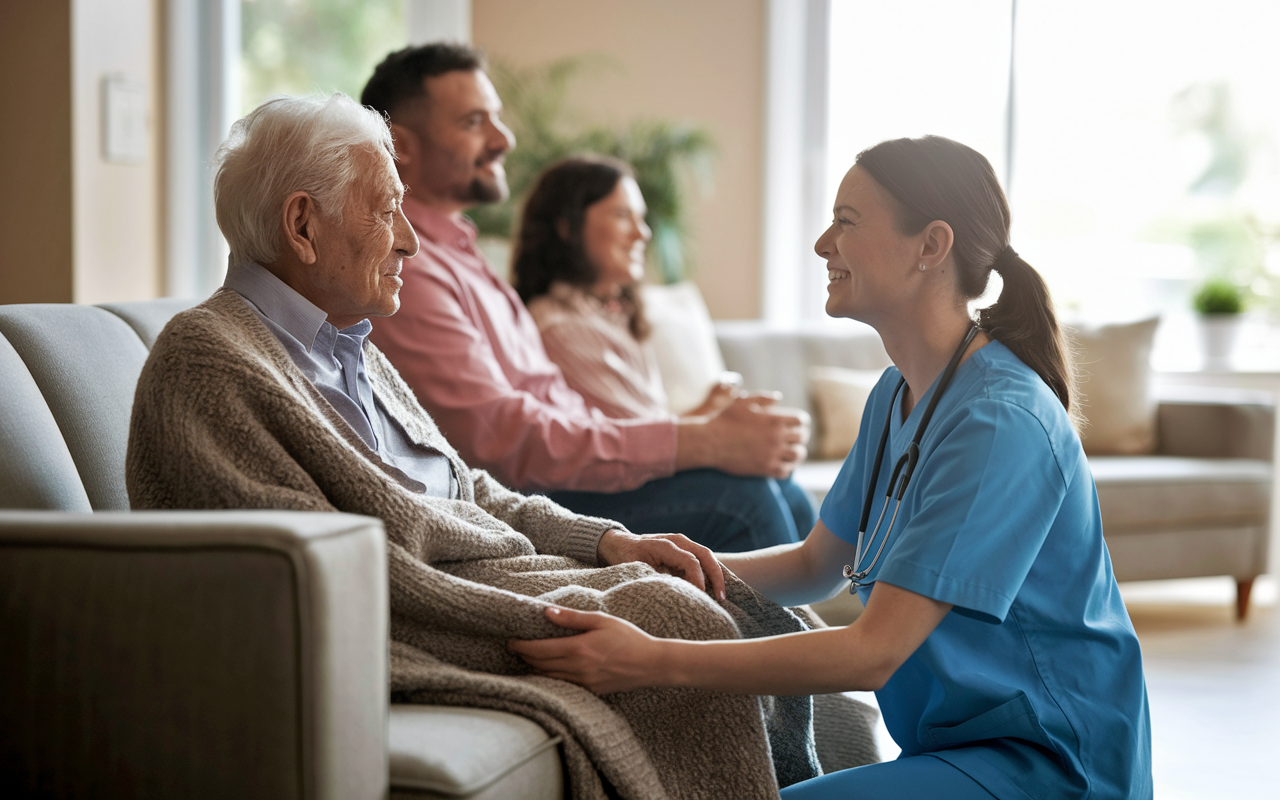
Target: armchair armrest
column 193, row 654
column 1216, row 423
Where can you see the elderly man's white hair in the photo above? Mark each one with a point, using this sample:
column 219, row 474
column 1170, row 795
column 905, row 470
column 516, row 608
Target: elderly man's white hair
column 313, row 144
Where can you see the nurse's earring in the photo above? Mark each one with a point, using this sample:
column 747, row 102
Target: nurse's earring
column 922, row 267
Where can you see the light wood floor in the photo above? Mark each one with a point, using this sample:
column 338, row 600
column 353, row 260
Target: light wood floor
column 1214, row 688
column 1213, row 685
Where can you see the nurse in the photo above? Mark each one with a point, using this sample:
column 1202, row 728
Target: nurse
column 994, row 636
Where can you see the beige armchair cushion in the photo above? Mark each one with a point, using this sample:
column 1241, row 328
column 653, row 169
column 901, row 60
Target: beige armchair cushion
column 473, row 753
column 1114, row 363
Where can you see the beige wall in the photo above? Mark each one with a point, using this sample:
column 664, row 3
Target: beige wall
column 700, row 62
column 117, row 206
column 74, row 228
column 35, row 152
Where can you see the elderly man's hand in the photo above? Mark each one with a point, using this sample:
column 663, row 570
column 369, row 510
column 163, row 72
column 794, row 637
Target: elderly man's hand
column 672, row 553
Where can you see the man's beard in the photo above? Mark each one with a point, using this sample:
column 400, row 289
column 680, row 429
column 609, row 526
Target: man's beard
column 482, row 190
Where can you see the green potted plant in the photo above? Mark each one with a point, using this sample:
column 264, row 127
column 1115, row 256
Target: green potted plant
column 666, row 157
column 1219, row 303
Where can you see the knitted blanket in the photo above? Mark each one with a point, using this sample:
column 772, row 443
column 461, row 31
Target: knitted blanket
column 222, row 418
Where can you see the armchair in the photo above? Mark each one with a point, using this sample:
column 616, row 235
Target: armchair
column 196, row 654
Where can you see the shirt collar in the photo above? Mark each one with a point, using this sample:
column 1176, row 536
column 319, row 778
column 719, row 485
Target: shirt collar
column 278, row 302
column 439, row 227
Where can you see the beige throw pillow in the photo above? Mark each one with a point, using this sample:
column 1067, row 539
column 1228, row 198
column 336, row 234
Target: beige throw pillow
column 1116, row 395
column 839, row 396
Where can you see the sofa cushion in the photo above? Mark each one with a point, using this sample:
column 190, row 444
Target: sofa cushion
column 839, row 396
column 148, row 317
column 684, row 343
column 778, row 359
column 86, row 362
column 1114, row 363
column 36, row 469
column 475, row 753
column 1166, row 492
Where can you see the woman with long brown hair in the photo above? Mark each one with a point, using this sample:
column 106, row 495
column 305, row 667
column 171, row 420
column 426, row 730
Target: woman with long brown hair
column 965, row 517
column 578, row 263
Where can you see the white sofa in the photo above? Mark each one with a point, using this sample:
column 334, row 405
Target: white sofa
column 1199, row 506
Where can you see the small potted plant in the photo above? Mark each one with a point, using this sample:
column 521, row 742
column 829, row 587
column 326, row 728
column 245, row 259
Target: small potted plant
column 1219, row 303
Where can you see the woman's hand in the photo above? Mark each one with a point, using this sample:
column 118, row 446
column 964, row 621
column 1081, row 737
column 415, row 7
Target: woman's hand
column 611, row 655
column 727, row 388
column 672, row 553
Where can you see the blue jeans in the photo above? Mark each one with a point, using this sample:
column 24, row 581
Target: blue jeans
column 728, row 513
column 920, row 777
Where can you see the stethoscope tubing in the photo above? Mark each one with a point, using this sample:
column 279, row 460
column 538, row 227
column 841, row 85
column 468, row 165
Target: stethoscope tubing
column 902, row 470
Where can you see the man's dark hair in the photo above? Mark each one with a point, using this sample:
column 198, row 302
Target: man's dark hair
column 399, row 78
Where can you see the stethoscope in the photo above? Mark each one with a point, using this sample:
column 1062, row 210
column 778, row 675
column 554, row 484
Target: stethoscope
column 904, row 468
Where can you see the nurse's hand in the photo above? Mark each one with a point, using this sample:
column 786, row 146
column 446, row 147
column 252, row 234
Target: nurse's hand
column 672, row 553
column 611, row 655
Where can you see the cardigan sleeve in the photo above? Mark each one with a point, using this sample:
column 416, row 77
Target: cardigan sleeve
column 552, row 528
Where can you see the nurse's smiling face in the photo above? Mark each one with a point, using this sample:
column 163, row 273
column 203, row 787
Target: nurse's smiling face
column 870, row 262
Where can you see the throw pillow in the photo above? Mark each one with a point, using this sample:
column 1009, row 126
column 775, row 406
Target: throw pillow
column 1116, row 394
column 684, row 343
column 839, row 396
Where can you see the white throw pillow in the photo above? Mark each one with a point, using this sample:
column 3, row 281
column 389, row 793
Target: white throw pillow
column 684, row 342
column 1116, row 393
column 839, row 396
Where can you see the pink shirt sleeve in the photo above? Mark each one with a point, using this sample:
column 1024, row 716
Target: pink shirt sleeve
column 441, row 341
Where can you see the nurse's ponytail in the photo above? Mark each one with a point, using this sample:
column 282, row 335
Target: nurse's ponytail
column 934, row 178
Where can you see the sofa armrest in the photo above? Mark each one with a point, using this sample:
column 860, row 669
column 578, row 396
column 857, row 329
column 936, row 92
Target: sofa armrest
column 193, row 654
column 1216, row 423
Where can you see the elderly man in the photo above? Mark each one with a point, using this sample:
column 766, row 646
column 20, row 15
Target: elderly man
column 471, row 352
column 268, row 395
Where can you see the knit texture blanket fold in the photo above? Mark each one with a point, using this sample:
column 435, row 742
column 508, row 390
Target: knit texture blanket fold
column 222, row 418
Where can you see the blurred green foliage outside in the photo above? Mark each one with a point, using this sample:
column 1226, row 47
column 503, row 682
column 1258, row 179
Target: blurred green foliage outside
column 303, row 46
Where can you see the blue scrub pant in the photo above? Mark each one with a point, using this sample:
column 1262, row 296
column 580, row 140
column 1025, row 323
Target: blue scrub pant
column 728, row 513
column 913, row 778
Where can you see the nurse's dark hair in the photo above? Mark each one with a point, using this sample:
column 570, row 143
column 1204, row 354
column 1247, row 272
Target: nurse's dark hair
column 935, row 178
column 549, row 245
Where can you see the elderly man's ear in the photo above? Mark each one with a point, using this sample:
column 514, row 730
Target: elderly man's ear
column 300, row 217
column 407, row 145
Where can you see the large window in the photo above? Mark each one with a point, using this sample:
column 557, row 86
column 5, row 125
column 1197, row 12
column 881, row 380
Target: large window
column 293, row 47
column 1140, row 155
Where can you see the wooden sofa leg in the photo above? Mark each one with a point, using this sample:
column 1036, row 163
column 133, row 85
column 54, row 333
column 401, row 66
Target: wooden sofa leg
column 1243, row 588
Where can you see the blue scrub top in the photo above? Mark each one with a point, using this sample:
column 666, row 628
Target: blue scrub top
column 1033, row 684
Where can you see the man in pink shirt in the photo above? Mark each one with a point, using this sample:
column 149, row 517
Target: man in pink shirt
column 466, row 344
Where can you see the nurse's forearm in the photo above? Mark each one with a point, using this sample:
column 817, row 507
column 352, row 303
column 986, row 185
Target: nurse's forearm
column 780, row 573
column 794, row 574
column 862, row 656
column 815, row 662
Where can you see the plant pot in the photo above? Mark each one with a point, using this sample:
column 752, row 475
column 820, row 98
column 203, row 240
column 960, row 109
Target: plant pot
column 1218, row 334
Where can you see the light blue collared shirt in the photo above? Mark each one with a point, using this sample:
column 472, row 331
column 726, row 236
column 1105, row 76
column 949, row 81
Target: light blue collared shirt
column 333, row 360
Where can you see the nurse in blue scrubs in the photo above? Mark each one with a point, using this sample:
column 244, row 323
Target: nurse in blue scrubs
column 994, row 635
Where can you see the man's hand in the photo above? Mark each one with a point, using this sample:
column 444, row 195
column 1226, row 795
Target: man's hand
column 672, row 553
column 752, row 436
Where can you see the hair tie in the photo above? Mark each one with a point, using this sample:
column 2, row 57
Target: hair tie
column 1005, row 257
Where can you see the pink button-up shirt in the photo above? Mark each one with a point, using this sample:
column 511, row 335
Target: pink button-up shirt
column 467, row 346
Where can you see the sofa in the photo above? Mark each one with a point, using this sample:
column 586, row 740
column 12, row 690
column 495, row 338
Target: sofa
column 196, row 654
column 1198, row 506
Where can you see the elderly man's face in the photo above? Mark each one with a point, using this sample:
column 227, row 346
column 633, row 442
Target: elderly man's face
column 357, row 268
column 460, row 141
